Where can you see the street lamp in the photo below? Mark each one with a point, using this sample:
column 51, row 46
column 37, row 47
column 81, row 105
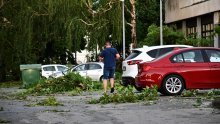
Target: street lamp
column 123, row 21
column 161, row 23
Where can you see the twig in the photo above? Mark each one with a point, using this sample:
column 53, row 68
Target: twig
column 129, row 24
column 89, row 24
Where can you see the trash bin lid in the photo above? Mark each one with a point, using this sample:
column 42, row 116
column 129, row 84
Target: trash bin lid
column 30, row 66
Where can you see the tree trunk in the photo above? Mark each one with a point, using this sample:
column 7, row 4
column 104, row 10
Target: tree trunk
column 2, row 69
column 133, row 23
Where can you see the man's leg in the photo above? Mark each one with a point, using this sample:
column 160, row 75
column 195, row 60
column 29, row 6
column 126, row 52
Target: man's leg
column 112, row 80
column 105, row 79
column 105, row 85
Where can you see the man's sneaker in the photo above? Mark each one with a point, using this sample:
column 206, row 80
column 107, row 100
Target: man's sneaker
column 112, row 90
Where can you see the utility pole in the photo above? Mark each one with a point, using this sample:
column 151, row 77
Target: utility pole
column 161, row 22
column 123, row 21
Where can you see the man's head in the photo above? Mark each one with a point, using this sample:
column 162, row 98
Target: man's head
column 107, row 44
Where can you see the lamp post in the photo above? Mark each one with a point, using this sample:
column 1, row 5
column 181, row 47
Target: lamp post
column 161, row 23
column 123, row 21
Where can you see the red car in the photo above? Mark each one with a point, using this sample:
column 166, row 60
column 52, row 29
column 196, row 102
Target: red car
column 189, row 68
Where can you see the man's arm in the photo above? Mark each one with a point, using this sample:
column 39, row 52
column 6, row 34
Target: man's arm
column 100, row 59
column 117, row 56
column 101, row 56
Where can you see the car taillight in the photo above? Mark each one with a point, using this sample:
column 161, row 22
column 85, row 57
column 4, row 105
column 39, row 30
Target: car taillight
column 133, row 62
column 143, row 68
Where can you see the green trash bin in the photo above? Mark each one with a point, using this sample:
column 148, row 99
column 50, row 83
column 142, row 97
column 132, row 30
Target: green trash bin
column 30, row 73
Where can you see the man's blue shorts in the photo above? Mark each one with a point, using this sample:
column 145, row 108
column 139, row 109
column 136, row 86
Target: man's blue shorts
column 108, row 73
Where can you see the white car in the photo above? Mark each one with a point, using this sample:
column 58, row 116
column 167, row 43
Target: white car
column 50, row 70
column 94, row 70
column 129, row 65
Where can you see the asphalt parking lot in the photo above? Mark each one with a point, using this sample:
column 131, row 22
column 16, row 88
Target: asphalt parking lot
column 76, row 110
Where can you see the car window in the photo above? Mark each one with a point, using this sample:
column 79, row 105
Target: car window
column 164, row 51
column 61, row 68
column 213, row 55
column 94, row 66
column 178, row 58
column 80, row 68
column 193, row 56
column 49, row 68
column 152, row 53
column 189, row 56
column 134, row 54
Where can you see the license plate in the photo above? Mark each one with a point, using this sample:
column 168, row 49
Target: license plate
column 123, row 68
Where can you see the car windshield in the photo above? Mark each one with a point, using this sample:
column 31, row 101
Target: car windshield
column 134, row 54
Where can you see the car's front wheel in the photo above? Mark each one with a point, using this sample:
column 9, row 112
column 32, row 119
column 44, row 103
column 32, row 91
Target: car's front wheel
column 173, row 85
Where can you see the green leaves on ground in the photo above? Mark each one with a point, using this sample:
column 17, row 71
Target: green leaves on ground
column 55, row 110
column 50, row 101
column 127, row 95
column 69, row 82
column 195, row 93
column 10, row 84
column 189, row 93
column 198, row 102
column 200, row 96
column 4, row 121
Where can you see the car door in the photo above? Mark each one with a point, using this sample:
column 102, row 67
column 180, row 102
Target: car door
column 194, row 69
column 94, row 71
column 48, row 70
column 81, row 69
column 214, row 63
column 61, row 68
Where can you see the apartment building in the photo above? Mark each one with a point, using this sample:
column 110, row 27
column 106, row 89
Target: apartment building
column 198, row 17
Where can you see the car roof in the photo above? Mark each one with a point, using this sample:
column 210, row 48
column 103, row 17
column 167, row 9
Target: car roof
column 92, row 63
column 53, row 65
column 187, row 49
column 198, row 48
column 100, row 63
column 148, row 48
column 175, row 52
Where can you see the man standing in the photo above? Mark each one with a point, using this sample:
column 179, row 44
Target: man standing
column 109, row 56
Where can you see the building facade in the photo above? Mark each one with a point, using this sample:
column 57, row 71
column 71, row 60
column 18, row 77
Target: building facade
column 194, row 17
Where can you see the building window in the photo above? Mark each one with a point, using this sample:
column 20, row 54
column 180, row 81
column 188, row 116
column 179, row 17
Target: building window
column 207, row 26
column 191, row 32
column 191, row 28
column 207, row 31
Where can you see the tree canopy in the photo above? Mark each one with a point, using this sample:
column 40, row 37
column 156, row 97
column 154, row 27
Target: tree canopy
column 47, row 31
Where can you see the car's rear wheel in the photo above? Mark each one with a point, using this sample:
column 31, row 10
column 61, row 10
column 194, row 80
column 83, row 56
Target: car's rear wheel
column 173, row 85
column 138, row 88
column 43, row 77
column 101, row 78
